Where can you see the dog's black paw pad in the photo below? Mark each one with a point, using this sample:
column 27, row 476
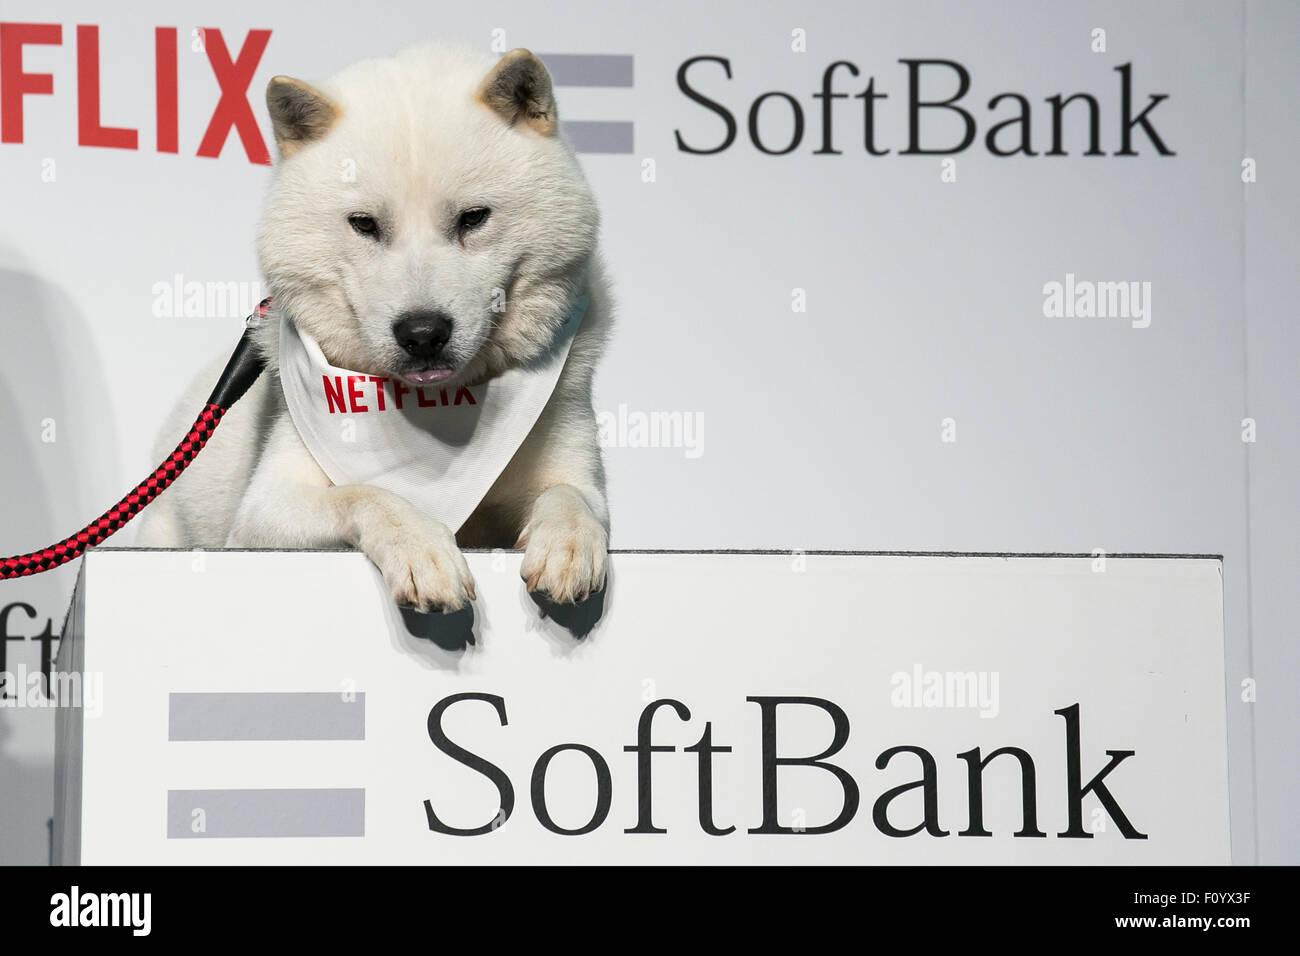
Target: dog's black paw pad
column 451, row 631
column 577, row 618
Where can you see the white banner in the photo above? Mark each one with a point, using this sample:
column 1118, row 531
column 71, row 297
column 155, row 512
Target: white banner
column 727, row 708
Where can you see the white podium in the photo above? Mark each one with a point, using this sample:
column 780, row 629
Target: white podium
column 274, row 707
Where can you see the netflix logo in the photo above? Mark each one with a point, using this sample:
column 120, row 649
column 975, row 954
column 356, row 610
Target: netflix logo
column 232, row 112
column 365, row 393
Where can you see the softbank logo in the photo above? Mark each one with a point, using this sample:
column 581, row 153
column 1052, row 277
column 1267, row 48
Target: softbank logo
column 1011, row 124
column 599, row 71
column 232, row 111
column 75, row 908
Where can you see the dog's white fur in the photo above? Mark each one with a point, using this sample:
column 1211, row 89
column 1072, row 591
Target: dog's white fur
column 413, row 141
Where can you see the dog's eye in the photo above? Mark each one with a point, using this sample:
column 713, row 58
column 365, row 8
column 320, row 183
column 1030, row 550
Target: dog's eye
column 364, row 225
column 471, row 219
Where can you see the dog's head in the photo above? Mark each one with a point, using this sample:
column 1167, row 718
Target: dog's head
column 427, row 221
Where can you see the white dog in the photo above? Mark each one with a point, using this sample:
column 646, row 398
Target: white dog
column 412, row 192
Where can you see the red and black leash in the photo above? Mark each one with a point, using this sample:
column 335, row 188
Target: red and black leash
column 241, row 372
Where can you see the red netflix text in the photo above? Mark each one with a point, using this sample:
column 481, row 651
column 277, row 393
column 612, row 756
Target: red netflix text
column 354, row 393
column 232, row 112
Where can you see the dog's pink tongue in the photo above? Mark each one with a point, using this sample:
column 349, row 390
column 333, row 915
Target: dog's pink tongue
column 427, row 376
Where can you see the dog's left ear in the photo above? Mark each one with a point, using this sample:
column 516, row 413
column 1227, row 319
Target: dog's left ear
column 519, row 91
column 299, row 112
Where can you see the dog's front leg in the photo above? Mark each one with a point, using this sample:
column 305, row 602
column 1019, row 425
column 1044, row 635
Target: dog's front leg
column 290, row 503
column 565, row 545
column 558, row 482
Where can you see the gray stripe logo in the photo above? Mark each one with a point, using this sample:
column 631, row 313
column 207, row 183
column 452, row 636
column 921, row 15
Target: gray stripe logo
column 588, row 69
column 603, row 70
column 269, row 716
column 591, row 136
column 216, row 814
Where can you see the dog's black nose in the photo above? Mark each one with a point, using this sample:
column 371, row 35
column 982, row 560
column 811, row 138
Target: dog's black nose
column 423, row 333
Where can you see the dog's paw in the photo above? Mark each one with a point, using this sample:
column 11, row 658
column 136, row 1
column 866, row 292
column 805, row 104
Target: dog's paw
column 420, row 562
column 565, row 552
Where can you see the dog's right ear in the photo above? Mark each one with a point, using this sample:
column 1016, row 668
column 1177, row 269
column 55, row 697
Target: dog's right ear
column 518, row 89
column 299, row 112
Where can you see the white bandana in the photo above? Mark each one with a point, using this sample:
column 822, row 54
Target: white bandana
column 440, row 448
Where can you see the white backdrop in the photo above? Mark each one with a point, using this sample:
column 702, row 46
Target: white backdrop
column 825, row 324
